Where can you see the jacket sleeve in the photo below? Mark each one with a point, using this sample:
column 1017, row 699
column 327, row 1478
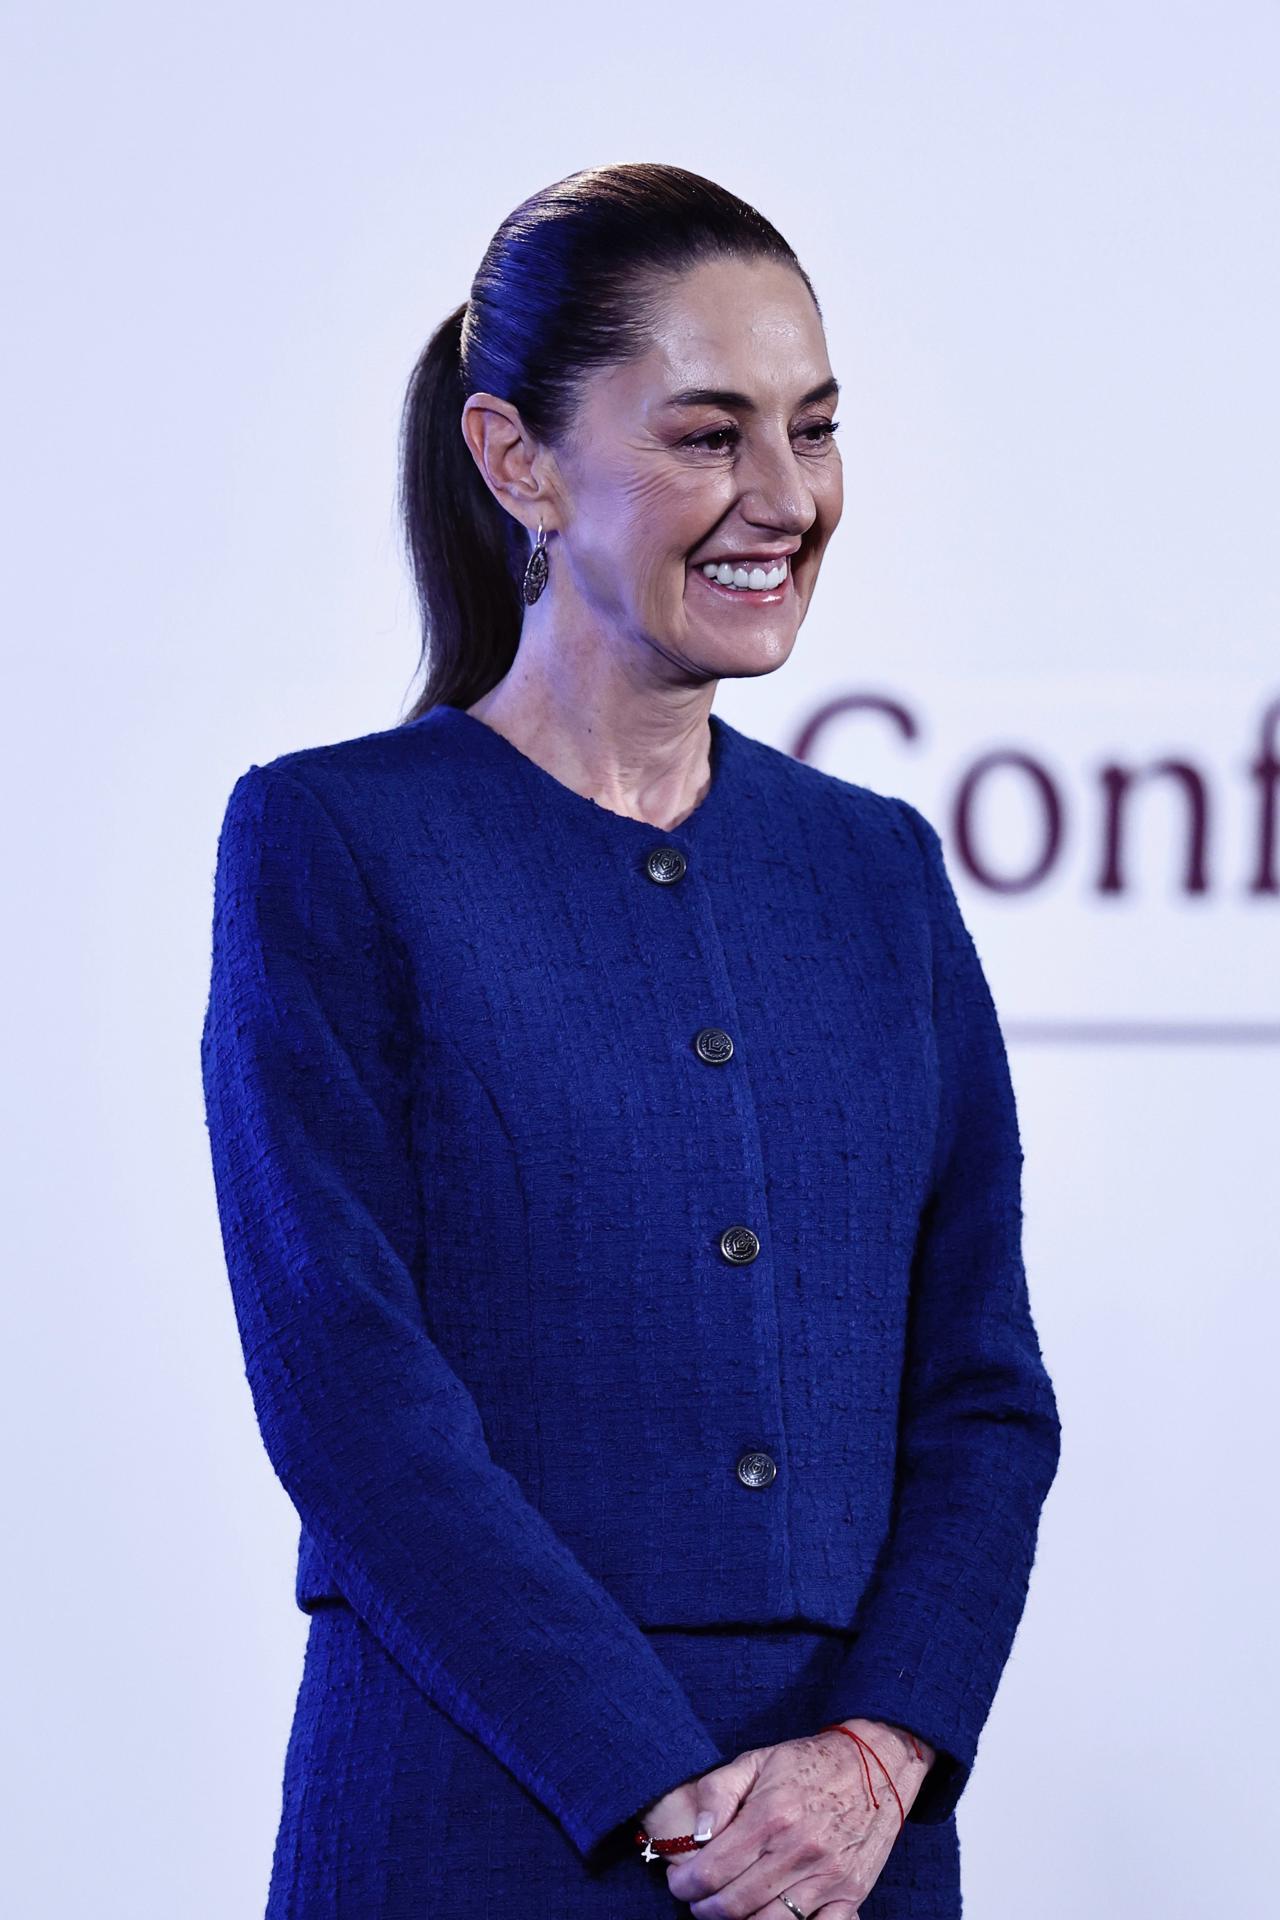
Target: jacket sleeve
column 377, row 1441
column 979, row 1430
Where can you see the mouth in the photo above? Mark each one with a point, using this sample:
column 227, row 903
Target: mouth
column 764, row 596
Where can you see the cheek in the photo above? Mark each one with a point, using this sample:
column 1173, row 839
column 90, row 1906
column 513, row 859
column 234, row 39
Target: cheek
column 830, row 497
column 668, row 523
column 678, row 508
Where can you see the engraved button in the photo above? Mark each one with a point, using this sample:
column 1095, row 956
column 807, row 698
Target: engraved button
column 739, row 1245
column 665, row 865
column 713, row 1045
column 756, row 1469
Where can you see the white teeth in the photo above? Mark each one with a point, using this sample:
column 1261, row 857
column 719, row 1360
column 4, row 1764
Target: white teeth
column 753, row 578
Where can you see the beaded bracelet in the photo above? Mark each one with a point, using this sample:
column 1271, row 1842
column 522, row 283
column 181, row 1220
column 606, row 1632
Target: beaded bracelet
column 651, row 1849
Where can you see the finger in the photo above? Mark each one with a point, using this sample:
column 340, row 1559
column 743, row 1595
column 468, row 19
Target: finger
column 735, row 1851
column 722, row 1791
column 765, row 1874
column 812, row 1901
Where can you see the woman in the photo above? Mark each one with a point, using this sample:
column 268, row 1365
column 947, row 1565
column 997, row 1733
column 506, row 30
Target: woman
column 617, row 1159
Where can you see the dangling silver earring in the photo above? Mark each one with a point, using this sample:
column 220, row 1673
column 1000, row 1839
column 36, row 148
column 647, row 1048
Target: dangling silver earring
column 535, row 574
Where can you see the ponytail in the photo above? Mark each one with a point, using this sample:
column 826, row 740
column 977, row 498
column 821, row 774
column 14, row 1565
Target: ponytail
column 463, row 548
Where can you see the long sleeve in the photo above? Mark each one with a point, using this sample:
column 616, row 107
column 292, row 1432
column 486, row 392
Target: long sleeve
column 979, row 1433
column 376, row 1439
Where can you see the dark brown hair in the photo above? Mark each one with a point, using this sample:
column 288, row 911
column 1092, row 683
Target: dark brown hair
column 569, row 282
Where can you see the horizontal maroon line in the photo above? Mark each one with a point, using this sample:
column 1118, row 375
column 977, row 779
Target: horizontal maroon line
column 1257, row 1033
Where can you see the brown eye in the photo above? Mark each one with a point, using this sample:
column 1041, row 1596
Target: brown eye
column 717, row 433
column 824, row 429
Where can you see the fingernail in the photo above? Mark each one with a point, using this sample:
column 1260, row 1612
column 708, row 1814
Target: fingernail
column 702, row 1830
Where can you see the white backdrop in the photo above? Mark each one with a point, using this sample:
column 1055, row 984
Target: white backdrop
column 1045, row 239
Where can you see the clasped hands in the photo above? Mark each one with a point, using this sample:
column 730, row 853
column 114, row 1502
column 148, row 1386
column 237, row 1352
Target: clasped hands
column 799, row 1818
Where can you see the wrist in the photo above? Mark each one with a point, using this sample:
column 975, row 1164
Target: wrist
column 917, row 1748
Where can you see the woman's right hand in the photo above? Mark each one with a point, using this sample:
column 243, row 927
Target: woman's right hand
column 673, row 1814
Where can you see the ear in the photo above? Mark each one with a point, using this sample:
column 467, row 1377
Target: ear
column 519, row 472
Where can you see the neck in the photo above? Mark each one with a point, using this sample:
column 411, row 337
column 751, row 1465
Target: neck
column 640, row 751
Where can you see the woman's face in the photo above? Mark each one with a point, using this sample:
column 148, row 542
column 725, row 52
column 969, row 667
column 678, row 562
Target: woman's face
column 657, row 483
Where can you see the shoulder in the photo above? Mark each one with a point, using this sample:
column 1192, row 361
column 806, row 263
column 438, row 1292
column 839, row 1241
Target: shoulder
column 356, row 791
column 360, row 771
column 299, row 867
column 883, row 829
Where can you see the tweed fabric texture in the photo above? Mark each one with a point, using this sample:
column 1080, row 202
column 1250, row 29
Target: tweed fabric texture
column 473, row 1172
column 391, row 1812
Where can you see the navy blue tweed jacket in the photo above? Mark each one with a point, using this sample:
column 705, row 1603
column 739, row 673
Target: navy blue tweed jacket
column 623, row 1227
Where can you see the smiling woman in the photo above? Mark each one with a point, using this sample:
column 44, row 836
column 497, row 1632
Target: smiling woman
column 617, row 1159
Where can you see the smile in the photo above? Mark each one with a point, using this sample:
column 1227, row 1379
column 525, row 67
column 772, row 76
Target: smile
column 762, row 585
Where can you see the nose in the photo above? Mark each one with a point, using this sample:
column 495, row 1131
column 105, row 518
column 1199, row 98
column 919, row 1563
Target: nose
column 776, row 490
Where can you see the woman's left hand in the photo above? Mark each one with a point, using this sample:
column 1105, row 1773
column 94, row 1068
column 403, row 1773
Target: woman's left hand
column 798, row 1819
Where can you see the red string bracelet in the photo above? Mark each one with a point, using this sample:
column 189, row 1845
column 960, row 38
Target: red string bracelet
column 834, row 1726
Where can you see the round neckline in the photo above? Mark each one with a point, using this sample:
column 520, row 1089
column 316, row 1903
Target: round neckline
column 547, row 783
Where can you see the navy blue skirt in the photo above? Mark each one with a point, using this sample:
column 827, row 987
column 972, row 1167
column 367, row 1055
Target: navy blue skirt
column 391, row 1812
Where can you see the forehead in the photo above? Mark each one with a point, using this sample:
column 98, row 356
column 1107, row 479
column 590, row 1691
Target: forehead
column 746, row 325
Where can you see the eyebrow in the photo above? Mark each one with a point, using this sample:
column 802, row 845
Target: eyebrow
column 724, row 397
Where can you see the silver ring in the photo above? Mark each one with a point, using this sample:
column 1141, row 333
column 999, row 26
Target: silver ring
column 792, row 1907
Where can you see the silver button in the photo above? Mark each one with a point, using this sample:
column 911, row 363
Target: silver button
column 739, row 1244
column 756, row 1469
column 713, row 1045
column 665, row 865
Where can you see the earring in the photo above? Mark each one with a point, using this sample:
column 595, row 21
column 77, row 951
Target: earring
column 535, row 574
